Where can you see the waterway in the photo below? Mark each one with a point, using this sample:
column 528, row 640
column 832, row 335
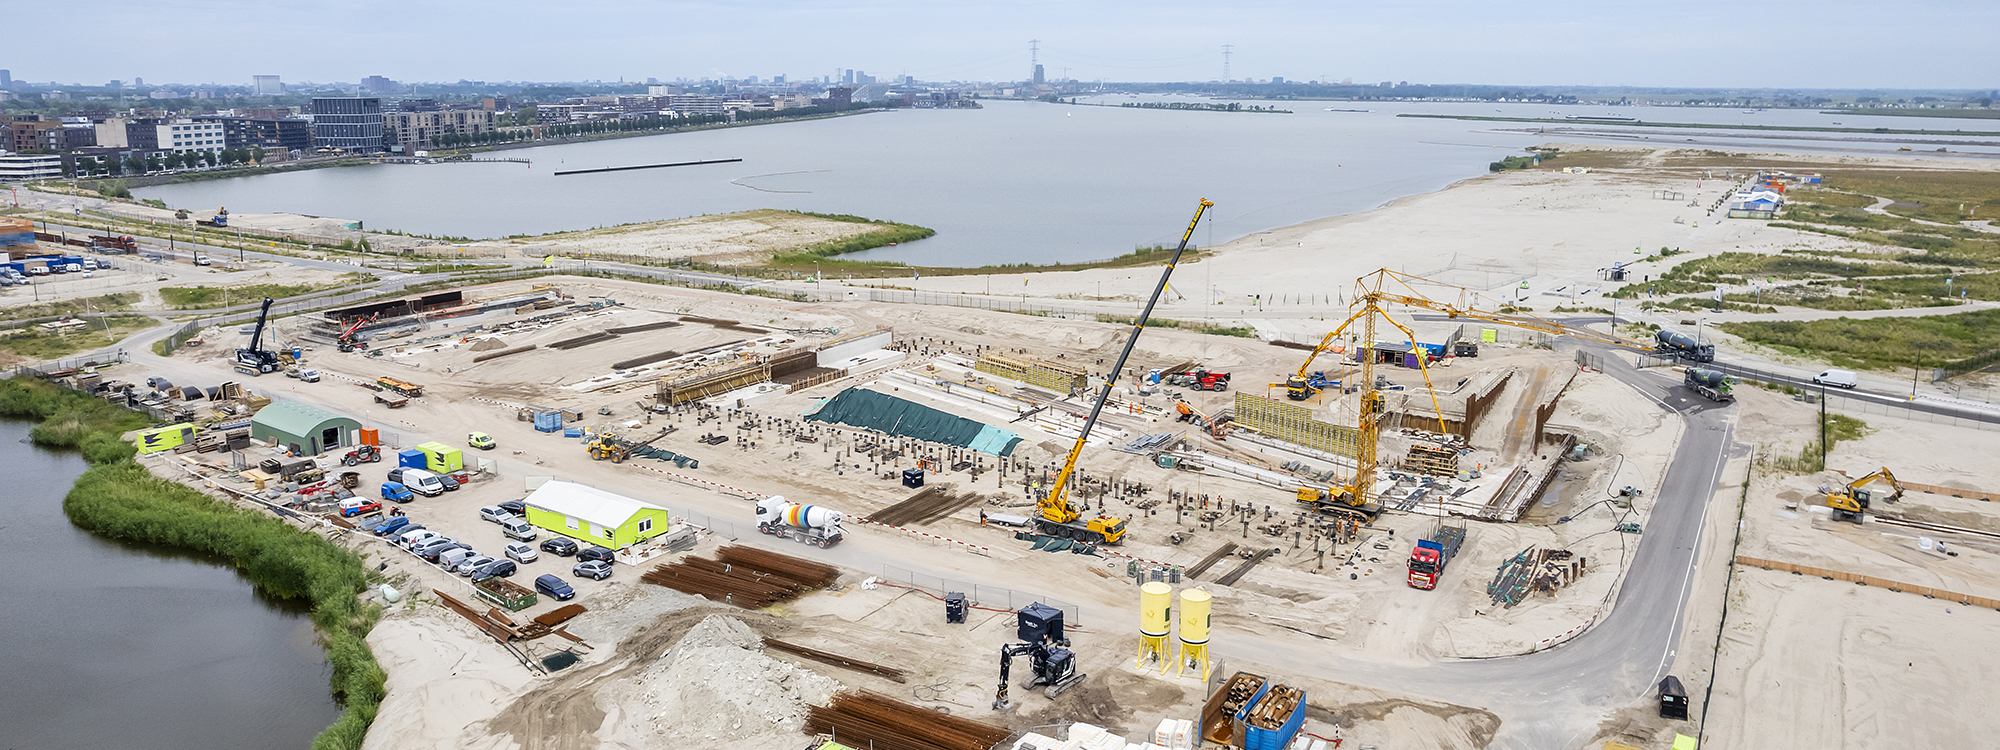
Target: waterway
column 1015, row 182
column 109, row 645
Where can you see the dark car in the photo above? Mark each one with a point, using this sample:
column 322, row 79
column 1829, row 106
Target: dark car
column 396, row 475
column 499, row 568
column 554, row 587
column 430, row 550
column 558, row 546
column 595, row 569
column 515, row 507
column 594, row 553
column 450, row 484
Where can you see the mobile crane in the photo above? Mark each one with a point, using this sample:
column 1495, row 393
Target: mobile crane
column 1851, row 502
column 255, row 358
column 1055, row 514
column 1372, row 292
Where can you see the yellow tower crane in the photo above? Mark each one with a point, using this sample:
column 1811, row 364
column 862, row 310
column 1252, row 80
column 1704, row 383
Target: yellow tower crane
column 1371, row 294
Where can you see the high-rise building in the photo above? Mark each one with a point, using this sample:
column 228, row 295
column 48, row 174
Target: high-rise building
column 267, row 85
column 349, row 123
column 6, row 79
column 847, row 76
column 137, row 82
column 1038, row 74
column 408, row 132
column 777, row 79
column 377, row 85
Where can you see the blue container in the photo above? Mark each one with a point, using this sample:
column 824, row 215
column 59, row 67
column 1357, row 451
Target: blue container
column 1255, row 738
column 548, row 421
column 573, row 432
column 413, row 459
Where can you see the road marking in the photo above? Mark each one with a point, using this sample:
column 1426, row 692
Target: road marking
column 1687, row 582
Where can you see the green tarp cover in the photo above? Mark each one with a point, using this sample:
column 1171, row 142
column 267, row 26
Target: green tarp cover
column 880, row 411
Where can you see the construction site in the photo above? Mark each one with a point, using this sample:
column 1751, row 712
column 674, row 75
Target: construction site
column 940, row 528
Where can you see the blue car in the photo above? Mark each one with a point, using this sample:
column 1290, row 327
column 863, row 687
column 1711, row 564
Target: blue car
column 397, row 492
column 392, row 525
column 554, row 587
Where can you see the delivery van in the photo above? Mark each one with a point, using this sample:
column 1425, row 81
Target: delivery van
column 1838, row 378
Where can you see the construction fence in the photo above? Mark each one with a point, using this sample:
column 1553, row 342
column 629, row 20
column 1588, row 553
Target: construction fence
column 250, row 312
column 993, row 597
column 1842, row 402
column 1882, row 583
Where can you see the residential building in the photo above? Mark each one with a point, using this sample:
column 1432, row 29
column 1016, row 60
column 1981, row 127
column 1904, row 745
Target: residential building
column 378, row 85
column 557, row 114
column 270, row 134
column 24, row 133
column 664, row 90
column 266, row 85
column 417, row 105
column 351, row 124
column 25, row 167
column 790, row 101
column 6, row 79
column 840, row 97
column 1038, row 75
column 409, row 132
column 130, row 132
column 497, row 104
column 183, row 136
column 69, row 137
column 695, row 104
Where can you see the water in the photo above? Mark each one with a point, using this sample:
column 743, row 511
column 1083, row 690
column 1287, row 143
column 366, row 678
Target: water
column 107, row 645
column 1016, row 182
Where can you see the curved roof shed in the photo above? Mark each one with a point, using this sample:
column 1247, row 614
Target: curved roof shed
column 303, row 428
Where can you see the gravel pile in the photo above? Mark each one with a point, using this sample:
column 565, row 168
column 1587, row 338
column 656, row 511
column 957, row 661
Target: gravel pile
column 717, row 686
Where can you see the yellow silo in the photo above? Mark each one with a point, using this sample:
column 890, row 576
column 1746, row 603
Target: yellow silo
column 1194, row 630
column 1156, row 621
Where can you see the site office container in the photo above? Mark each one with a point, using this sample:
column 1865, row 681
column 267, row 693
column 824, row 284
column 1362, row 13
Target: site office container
column 442, row 459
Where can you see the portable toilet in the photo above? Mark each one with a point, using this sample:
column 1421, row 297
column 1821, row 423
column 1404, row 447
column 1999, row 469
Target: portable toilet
column 1673, row 699
column 441, row 458
column 412, row 459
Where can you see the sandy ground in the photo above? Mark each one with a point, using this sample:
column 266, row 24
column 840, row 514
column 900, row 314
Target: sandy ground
column 742, row 238
column 1566, row 226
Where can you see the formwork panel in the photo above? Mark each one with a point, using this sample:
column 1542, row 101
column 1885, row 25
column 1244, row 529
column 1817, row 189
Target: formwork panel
column 1295, row 424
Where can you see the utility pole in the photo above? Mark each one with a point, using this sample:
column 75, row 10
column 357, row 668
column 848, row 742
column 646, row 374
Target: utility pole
column 1227, row 49
column 1034, row 57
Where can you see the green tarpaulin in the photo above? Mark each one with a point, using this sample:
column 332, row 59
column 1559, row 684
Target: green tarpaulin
column 880, row 411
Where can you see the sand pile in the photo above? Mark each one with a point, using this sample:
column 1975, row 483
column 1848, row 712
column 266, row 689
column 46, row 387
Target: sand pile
column 717, row 686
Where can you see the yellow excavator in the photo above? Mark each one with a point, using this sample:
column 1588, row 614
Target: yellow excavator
column 1055, row 515
column 1851, row 502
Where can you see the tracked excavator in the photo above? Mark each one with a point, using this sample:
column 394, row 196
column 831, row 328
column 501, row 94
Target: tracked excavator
column 1055, row 515
column 1851, row 502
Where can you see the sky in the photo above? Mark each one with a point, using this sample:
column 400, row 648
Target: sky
column 1819, row 44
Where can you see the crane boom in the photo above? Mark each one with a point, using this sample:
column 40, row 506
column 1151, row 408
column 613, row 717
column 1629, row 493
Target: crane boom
column 1057, row 514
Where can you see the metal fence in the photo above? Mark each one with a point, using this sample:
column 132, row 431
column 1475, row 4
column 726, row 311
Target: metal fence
column 981, row 596
column 1838, row 400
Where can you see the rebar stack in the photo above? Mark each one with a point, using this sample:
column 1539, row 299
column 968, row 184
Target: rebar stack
column 811, row 574
column 867, row 719
column 744, row 576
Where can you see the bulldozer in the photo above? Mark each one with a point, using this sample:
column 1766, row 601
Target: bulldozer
column 1851, row 502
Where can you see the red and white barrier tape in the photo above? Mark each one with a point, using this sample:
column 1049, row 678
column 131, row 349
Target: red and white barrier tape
column 968, row 545
column 717, row 485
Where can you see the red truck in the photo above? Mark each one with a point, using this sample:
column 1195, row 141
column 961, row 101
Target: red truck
column 1432, row 554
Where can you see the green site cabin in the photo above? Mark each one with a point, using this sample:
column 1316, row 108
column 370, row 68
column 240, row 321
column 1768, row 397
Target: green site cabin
column 588, row 514
column 442, row 459
column 166, row 438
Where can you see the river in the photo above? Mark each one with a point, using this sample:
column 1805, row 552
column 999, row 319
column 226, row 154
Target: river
column 115, row 646
column 1015, row 182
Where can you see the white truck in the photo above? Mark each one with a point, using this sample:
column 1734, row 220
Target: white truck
column 807, row 524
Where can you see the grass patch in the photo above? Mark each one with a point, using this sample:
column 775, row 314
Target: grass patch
column 204, row 297
column 1704, row 126
column 1935, row 195
column 1186, row 325
column 35, row 343
column 1881, row 342
column 118, row 499
column 1839, row 428
column 888, row 233
column 102, row 303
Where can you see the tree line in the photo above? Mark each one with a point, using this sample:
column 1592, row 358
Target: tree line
column 642, row 124
column 87, row 166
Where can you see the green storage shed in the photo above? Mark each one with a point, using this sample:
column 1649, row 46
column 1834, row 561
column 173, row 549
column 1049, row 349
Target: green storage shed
column 303, row 429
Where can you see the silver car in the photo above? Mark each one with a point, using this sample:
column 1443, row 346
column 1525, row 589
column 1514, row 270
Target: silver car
column 522, row 552
column 465, row 568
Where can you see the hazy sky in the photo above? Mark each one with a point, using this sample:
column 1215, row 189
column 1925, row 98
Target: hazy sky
column 1820, row 43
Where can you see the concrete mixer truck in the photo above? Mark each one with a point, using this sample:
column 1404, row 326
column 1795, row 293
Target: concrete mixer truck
column 808, row 524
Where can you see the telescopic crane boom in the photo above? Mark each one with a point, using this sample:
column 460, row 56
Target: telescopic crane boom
column 1057, row 516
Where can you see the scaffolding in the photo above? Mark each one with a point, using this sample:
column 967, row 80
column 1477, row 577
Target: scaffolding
column 1055, row 376
column 1294, row 424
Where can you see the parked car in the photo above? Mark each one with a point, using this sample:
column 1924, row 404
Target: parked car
column 359, row 506
column 393, row 490
column 516, row 507
column 392, row 525
column 451, row 559
column 430, row 550
column 516, row 528
column 522, row 552
column 594, row 553
column 560, row 546
column 593, row 569
column 555, row 588
column 494, row 569
column 467, row 565
column 414, row 535
column 495, row 514
column 450, row 482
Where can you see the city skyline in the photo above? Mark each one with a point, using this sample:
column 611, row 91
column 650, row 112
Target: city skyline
column 1843, row 44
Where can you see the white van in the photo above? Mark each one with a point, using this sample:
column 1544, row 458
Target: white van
column 516, row 528
column 450, row 560
column 1839, row 378
column 423, row 482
